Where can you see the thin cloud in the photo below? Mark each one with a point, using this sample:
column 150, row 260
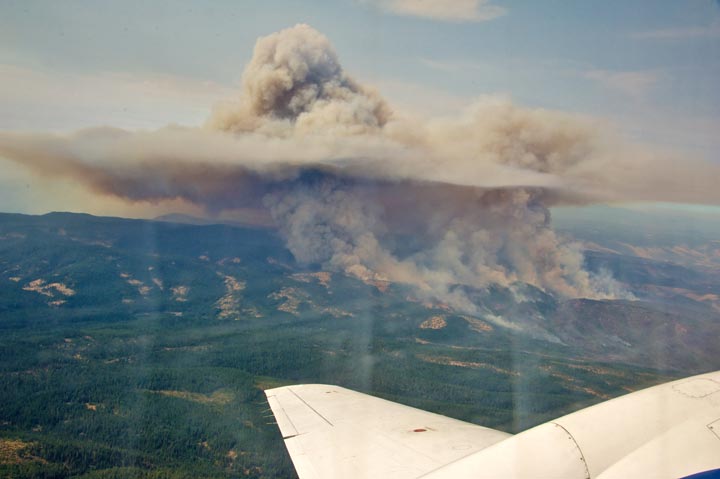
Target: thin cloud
column 37, row 98
column 450, row 66
column 681, row 33
column 442, row 10
column 635, row 84
column 419, row 100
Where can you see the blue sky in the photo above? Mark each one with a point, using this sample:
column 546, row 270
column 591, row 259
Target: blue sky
column 650, row 67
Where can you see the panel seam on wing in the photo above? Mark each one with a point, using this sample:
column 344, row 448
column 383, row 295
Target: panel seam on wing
column 582, row 456
column 311, row 408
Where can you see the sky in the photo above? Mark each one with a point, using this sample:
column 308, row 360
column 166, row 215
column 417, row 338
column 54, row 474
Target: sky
column 650, row 69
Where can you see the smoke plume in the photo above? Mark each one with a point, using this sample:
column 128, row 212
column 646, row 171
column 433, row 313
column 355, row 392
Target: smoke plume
column 295, row 76
column 440, row 204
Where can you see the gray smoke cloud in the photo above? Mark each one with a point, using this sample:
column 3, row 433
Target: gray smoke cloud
column 461, row 236
column 440, row 204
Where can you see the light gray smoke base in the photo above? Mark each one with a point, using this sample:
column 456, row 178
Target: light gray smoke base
column 464, row 236
column 439, row 203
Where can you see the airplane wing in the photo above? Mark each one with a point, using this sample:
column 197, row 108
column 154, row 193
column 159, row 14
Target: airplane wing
column 667, row 431
column 332, row 432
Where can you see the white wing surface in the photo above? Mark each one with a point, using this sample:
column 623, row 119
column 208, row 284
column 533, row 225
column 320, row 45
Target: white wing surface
column 663, row 432
column 667, row 431
column 332, row 432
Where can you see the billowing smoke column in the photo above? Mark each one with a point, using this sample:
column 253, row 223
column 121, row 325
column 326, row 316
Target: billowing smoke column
column 295, row 76
column 444, row 204
column 432, row 236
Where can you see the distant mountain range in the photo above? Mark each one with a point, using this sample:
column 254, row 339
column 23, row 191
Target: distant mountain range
column 196, row 220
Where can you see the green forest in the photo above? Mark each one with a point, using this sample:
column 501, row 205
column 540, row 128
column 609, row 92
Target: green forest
column 155, row 365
